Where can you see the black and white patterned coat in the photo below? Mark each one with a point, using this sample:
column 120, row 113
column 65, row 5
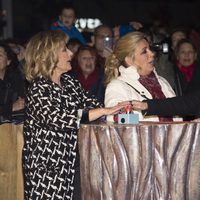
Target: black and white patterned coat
column 50, row 134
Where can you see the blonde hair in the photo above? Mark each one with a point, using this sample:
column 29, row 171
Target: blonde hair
column 124, row 47
column 41, row 54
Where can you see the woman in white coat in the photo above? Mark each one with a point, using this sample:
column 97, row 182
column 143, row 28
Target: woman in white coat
column 130, row 74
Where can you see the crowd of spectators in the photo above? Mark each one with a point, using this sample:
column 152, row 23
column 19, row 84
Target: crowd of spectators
column 120, row 63
column 178, row 63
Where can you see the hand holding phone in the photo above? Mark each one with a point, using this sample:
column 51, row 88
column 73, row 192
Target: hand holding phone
column 108, row 42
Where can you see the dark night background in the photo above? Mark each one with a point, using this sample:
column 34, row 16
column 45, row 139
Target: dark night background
column 31, row 16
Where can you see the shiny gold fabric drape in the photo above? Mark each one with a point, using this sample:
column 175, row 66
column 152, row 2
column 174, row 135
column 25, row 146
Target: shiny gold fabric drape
column 140, row 162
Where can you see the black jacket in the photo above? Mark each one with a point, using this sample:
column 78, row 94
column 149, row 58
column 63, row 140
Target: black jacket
column 182, row 86
column 11, row 88
column 183, row 105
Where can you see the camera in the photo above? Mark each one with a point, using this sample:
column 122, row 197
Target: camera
column 160, row 47
column 108, row 42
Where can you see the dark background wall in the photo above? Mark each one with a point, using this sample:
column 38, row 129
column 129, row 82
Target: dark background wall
column 31, row 16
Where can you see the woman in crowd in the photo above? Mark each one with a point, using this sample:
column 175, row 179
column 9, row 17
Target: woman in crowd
column 87, row 71
column 54, row 103
column 137, row 78
column 18, row 48
column 11, row 83
column 187, row 69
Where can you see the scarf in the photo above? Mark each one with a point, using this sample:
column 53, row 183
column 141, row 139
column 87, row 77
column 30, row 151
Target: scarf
column 150, row 82
column 186, row 70
column 89, row 82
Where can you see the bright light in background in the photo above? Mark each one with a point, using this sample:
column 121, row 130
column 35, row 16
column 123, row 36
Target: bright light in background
column 89, row 23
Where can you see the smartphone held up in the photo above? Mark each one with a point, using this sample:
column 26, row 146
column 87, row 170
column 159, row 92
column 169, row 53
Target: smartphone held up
column 108, row 42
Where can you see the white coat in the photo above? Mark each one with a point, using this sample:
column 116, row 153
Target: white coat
column 118, row 90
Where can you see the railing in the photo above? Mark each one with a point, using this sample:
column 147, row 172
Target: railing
column 11, row 179
column 146, row 161
column 120, row 162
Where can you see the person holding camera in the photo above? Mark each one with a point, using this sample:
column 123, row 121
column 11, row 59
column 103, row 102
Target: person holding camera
column 136, row 79
column 103, row 40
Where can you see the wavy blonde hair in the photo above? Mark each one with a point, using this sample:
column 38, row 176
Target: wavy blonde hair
column 41, row 55
column 124, row 47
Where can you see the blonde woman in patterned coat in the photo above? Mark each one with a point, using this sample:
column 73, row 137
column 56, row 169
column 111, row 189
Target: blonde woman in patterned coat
column 50, row 158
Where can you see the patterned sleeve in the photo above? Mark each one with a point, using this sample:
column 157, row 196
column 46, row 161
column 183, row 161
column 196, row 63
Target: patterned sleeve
column 47, row 108
column 87, row 101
